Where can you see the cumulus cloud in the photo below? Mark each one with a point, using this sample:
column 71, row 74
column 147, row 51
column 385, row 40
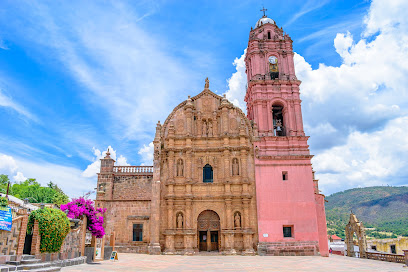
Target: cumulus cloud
column 7, row 164
column 237, row 83
column 356, row 113
column 146, row 152
column 19, row 177
column 95, row 166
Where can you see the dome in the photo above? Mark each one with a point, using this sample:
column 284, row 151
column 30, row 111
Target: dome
column 264, row 20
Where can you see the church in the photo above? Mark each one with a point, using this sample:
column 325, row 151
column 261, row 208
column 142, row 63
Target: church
column 223, row 181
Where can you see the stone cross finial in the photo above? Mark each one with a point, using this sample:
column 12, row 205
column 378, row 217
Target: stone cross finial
column 207, row 83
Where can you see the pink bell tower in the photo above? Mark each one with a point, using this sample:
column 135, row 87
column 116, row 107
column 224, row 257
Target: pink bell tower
column 291, row 215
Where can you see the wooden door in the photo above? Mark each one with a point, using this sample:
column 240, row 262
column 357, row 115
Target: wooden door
column 203, row 241
column 214, row 240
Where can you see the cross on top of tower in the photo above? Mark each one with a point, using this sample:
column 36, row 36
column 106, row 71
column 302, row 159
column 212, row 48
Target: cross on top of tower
column 263, row 10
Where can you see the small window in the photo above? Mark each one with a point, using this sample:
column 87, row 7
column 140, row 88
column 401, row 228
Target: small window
column 269, row 35
column 393, row 250
column 287, row 231
column 138, row 232
column 284, row 175
column 374, row 247
column 207, row 174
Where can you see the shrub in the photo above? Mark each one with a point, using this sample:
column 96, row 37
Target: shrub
column 80, row 207
column 3, row 201
column 53, row 227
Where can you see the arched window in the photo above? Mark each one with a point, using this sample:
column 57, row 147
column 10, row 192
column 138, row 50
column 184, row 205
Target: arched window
column 278, row 125
column 269, row 35
column 207, row 173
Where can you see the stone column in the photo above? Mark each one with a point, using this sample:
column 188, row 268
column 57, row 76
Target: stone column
column 227, row 172
column 248, row 248
column 171, row 165
column 228, row 215
column 244, row 164
column 406, row 256
column 170, row 214
column 170, row 226
column 189, row 219
column 299, row 121
column 245, row 202
column 154, row 246
column 188, row 165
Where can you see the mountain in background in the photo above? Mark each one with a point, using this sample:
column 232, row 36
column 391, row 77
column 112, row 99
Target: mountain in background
column 382, row 209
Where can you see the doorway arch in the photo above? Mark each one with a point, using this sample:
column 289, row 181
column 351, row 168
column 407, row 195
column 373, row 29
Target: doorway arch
column 208, row 228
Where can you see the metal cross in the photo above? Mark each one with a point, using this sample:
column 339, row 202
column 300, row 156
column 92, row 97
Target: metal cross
column 264, row 9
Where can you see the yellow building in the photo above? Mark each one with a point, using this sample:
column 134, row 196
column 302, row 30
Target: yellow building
column 394, row 245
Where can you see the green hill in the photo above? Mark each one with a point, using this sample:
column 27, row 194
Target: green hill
column 383, row 208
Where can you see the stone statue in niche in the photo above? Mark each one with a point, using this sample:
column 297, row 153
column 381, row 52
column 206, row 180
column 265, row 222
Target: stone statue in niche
column 237, row 220
column 235, row 167
column 180, row 221
column 204, row 128
column 180, row 168
column 210, row 129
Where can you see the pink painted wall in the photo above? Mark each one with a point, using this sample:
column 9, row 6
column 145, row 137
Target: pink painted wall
column 285, row 202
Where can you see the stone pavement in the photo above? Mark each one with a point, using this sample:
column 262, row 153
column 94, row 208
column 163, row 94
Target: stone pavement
column 142, row 262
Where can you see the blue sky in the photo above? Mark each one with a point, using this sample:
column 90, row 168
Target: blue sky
column 77, row 77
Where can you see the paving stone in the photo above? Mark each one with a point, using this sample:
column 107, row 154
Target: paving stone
column 176, row 263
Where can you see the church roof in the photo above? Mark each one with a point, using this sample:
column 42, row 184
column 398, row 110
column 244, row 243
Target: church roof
column 264, row 20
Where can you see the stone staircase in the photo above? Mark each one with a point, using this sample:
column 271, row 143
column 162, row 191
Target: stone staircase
column 30, row 263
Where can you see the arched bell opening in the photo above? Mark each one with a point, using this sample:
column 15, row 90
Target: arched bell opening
column 278, row 120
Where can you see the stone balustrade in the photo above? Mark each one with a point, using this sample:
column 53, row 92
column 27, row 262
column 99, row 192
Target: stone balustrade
column 133, row 169
column 395, row 258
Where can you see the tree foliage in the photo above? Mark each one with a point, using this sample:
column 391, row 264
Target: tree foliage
column 34, row 192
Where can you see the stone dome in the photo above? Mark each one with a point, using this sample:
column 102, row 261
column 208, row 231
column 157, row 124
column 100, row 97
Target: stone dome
column 264, row 20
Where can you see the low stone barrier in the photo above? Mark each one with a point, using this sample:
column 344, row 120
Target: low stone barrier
column 395, row 258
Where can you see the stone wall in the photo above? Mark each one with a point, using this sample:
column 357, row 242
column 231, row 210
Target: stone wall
column 288, row 248
column 12, row 242
column 120, row 217
column 132, row 188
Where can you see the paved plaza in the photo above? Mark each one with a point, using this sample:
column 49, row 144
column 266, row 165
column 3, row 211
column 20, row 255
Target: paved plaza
column 142, row 262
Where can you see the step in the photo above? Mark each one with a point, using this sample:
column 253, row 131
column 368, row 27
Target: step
column 28, row 257
column 13, row 262
column 33, row 266
column 46, row 269
column 30, row 261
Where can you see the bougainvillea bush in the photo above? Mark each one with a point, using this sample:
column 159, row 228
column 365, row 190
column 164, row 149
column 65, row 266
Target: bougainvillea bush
column 80, row 207
column 53, row 227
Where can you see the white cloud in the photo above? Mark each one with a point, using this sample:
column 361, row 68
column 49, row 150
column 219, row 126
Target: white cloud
column 366, row 159
column 19, row 177
column 146, row 152
column 69, row 179
column 7, row 164
column 237, row 83
column 95, row 166
column 365, row 102
column 7, row 101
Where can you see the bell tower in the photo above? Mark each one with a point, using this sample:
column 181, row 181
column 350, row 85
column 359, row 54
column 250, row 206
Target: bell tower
column 291, row 216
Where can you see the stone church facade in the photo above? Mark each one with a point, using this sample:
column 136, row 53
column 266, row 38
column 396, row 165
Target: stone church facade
column 222, row 181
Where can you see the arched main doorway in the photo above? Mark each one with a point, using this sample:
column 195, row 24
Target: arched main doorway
column 208, row 227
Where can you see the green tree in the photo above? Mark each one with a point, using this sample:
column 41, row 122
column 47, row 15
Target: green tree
column 4, row 179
